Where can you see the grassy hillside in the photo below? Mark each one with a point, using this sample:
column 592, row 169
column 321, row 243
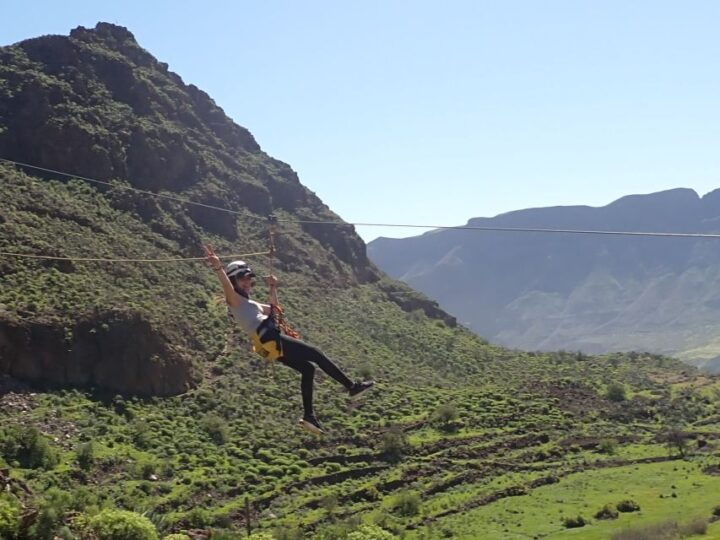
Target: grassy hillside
column 123, row 386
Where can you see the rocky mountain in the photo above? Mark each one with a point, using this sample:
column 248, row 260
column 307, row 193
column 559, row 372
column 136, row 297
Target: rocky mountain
column 595, row 294
column 95, row 104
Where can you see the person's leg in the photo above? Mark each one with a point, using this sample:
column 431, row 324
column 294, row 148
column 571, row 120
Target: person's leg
column 296, row 349
column 307, row 372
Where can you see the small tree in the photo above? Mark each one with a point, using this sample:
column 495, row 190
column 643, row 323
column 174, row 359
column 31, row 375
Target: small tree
column 445, row 414
column 215, row 427
column 607, row 512
column 607, row 446
column 85, row 455
column 365, row 371
column 122, row 525
column 370, row 532
column 393, row 443
column 27, row 446
column 330, row 503
column 628, row 505
column 616, row 392
column 51, row 513
column 9, row 518
column 407, row 503
column 574, row 523
column 675, row 441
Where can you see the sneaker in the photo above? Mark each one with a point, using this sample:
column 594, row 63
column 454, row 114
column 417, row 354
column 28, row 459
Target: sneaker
column 311, row 424
column 359, row 388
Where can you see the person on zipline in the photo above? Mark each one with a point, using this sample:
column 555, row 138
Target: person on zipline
column 258, row 320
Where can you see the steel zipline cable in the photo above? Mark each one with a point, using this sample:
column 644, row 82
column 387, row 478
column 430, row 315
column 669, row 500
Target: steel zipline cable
column 128, row 188
column 102, row 259
column 182, row 200
column 506, row 229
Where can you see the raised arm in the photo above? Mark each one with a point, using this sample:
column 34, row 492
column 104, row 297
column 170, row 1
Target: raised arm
column 231, row 297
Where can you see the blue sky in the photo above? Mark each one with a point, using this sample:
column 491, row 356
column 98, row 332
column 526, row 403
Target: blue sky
column 428, row 112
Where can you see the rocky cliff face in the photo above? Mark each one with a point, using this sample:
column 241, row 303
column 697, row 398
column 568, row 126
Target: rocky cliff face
column 115, row 350
column 98, row 105
column 589, row 293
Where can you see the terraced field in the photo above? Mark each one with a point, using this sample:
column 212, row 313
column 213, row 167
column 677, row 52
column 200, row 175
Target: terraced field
column 512, row 482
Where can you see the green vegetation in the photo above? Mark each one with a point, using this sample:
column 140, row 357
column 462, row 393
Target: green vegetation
column 9, row 517
column 616, row 392
column 463, row 422
column 121, row 525
column 135, row 409
column 27, row 448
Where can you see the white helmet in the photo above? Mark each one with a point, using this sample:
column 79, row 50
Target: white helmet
column 238, row 269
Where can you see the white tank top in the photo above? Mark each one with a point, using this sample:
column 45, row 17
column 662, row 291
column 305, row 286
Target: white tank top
column 249, row 314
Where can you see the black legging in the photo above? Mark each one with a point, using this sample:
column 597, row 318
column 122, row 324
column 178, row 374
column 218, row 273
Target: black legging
column 299, row 355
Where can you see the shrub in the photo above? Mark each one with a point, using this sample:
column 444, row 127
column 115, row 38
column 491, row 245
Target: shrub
column 445, row 417
column 372, row 493
column 198, row 517
column 697, row 526
column 216, row 427
column 28, row 447
column 287, row 532
column 616, row 392
column 333, row 467
column 365, row 371
column 393, row 443
column 122, row 525
column 407, row 503
column 145, row 467
column 261, row 536
column 628, row 506
column 607, row 446
column 329, row 503
column 666, row 530
column 142, row 436
column 445, row 413
column 716, row 511
column 50, row 514
column 9, row 518
column 675, row 440
column 370, row 532
column 607, row 512
column 574, row 523
column 176, row 536
column 85, row 455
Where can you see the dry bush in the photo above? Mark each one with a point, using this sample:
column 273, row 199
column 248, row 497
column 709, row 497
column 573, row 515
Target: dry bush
column 696, row 526
column 666, row 530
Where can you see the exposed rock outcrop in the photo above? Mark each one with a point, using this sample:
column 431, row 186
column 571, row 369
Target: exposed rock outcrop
column 115, row 350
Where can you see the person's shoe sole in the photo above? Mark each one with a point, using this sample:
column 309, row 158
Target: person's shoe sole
column 308, row 426
column 361, row 393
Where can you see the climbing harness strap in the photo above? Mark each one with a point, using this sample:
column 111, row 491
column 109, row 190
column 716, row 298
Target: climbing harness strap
column 266, row 339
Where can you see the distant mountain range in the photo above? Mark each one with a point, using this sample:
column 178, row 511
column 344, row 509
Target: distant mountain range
column 596, row 294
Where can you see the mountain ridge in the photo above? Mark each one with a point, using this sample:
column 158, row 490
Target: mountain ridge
column 97, row 105
column 531, row 279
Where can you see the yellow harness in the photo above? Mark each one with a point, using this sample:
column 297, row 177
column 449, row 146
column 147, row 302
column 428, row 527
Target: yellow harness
column 269, row 350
